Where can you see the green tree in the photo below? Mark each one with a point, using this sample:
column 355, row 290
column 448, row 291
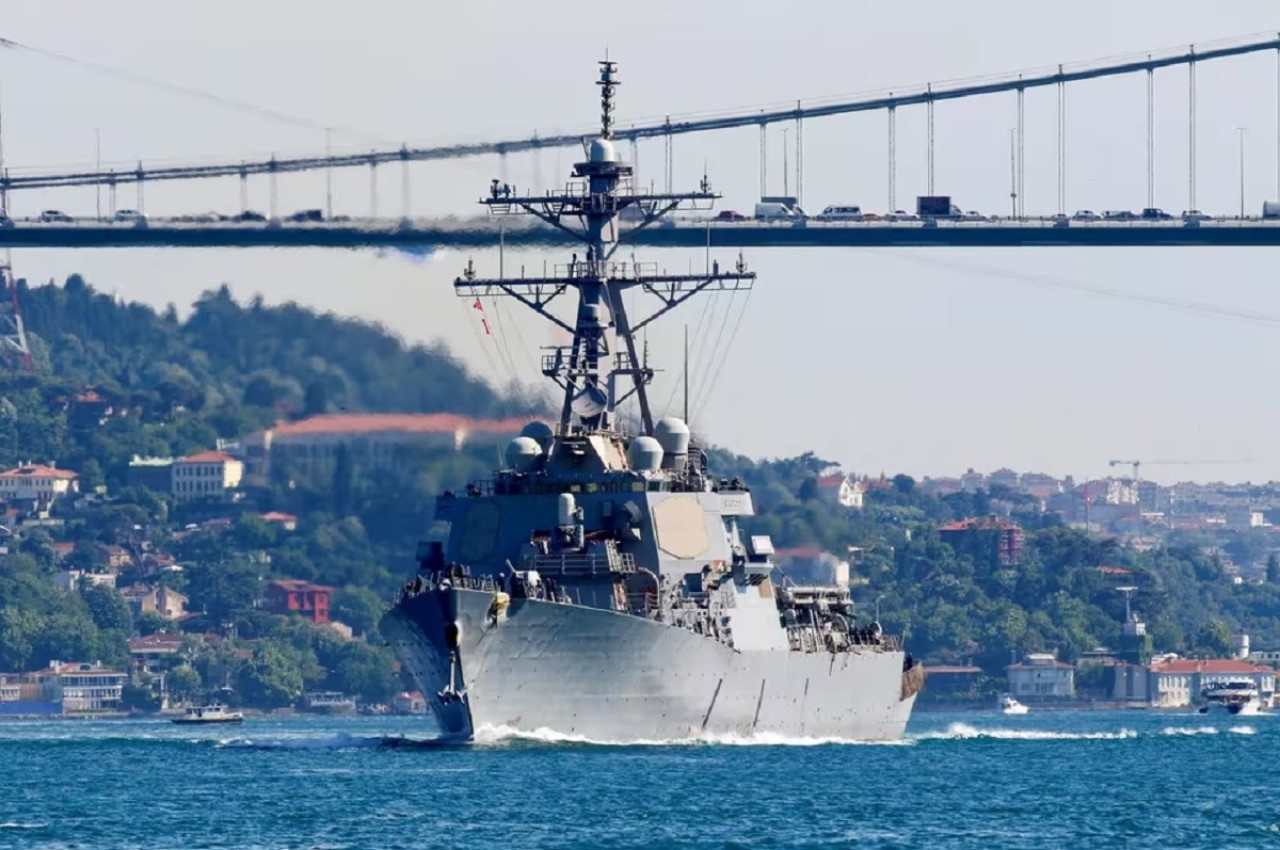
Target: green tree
column 1215, row 639
column 184, row 683
column 358, row 607
column 1273, row 569
column 107, row 608
column 273, row 678
column 365, row 672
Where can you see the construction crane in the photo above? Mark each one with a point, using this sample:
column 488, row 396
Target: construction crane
column 1138, row 464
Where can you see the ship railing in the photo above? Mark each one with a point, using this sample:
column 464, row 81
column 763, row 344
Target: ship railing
column 585, row 564
column 809, row 638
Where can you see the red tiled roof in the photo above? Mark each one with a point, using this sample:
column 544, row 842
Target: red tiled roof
column 831, row 480
column 974, row 522
column 157, row 641
column 297, row 585
column 417, row 423
column 950, row 669
column 1208, row 665
column 38, row 471
column 1115, row 571
column 207, row 457
column 278, row 516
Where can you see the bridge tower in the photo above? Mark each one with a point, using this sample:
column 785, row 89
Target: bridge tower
column 13, row 335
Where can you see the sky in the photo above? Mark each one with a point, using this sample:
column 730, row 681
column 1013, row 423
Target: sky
column 927, row 361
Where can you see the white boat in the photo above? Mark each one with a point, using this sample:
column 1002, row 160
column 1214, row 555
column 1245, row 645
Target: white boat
column 1009, row 705
column 213, row 713
column 1237, row 696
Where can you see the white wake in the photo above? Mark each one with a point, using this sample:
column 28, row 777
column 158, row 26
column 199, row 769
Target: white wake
column 489, row 735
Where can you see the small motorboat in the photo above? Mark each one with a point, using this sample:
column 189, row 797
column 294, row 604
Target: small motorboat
column 1009, row 705
column 213, row 713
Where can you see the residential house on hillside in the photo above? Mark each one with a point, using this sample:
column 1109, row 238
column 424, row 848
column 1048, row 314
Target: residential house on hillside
column 165, row 601
column 294, row 596
column 843, row 489
column 1004, row 477
column 154, row 473
column 150, row 653
column 372, row 440
column 75, row 579
column 976, row 531
column 37, row 483
column 286, row 522
column 205, row 475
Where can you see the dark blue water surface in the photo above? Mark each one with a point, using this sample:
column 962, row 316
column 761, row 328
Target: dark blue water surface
column 979, row 780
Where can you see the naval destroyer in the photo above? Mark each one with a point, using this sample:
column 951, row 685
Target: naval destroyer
column 600, row 585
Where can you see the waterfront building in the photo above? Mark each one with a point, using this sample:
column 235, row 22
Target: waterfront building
column 1041, row 676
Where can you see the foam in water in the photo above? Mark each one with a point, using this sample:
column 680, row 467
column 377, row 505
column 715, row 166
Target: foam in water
column 491, row 735
column 964, row 731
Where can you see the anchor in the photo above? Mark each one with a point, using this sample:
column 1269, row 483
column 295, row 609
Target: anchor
column 451, row 694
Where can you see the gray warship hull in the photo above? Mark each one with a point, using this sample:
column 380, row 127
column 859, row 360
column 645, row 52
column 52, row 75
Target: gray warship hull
column 609, row 676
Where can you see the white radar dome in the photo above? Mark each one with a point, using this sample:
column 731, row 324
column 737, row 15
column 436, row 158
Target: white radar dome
column 602, row 150
column 541, row 432
column 673, row 435
column 644, row 454
column 523, row 454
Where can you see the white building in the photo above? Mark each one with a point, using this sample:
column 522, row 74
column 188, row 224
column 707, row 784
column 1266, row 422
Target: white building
column 86, row 687
column 1177, row 683
column 74, row 579
column 205, row 475
column 37, row 482
column 1041, row 676
column 842, row 489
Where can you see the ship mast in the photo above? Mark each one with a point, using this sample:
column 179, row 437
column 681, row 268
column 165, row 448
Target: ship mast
column 591, row 208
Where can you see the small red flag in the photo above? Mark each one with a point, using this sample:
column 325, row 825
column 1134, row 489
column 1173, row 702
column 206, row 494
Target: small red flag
column 478, row 305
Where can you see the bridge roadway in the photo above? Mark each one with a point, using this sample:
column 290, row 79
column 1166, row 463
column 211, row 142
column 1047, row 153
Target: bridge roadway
column 424, row 234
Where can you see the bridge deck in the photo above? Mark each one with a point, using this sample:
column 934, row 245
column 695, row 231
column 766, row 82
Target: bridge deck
column 425, row 234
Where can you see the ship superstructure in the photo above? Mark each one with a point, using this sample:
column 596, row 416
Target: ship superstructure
column 600, row 585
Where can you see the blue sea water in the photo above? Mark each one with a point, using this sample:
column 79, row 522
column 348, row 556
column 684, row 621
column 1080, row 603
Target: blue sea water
column 972, row 780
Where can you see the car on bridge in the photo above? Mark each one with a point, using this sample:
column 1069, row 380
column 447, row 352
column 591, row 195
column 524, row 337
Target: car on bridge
column 1155, row 214
column 307, row 215
column 1195, row 215
column 249, row 215
column 1086, row 215
column 845, row 213
column 55, row 217
column 902, row 215
column 1119, row 215
column 5, row 221
column 130, row 217
column 730, row 215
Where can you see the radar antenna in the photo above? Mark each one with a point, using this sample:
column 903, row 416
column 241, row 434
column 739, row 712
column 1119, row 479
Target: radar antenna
column 592, row 208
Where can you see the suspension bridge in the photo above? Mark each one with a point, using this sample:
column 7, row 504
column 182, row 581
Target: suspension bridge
column 322, row 228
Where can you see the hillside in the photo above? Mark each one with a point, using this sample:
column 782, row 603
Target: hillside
column 225, row 370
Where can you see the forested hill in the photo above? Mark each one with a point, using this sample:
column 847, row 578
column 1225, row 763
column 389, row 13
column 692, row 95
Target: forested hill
column 251, row 354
